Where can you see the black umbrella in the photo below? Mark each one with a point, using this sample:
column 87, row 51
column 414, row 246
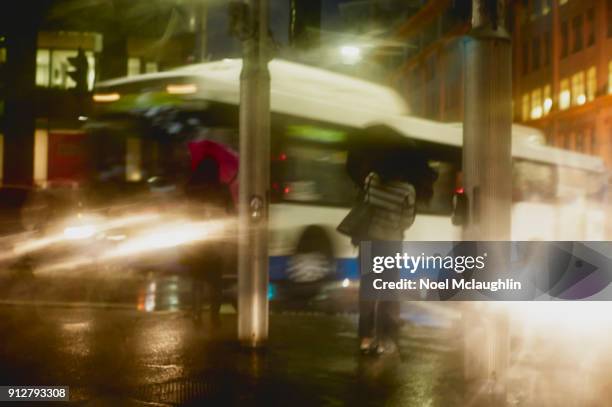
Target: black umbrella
column 390, row 154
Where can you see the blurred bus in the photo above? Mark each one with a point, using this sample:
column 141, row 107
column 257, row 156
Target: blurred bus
column 142, row 124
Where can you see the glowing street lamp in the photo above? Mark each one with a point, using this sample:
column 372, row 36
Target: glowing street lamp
column 351, row 54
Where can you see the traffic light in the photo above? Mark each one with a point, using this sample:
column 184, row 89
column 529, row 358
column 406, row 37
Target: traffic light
column 78, row 69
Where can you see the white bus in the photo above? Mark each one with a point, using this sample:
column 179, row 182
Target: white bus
column 557, row 195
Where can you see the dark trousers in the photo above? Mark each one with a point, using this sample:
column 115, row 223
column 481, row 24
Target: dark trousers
column 379, row 319
column 206, row 267
column 214, row 282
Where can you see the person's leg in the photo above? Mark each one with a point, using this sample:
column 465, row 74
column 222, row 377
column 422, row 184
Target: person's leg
column 367, row 316
column 389, row 318
column 366, row 319
column 216, row 292
column 388, row 324
column 196, row 291
column 215, row 283
column 367, row 325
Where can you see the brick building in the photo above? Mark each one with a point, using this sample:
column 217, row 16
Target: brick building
column 562, row 68
column 563, row 72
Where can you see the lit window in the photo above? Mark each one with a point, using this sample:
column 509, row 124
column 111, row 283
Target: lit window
column 133, row 66
column 591, row 83
column 91, row 73
column 151, row 67
column 42, row 67
column 547, row 105
column 578, row 94
column 525, row 107
column 60, row 66
column 536, row 104
column 59, row 69
column 2, row 55
column 564, row 94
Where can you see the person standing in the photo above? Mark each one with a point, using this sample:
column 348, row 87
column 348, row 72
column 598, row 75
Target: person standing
column 208, row 198
column 386, row 208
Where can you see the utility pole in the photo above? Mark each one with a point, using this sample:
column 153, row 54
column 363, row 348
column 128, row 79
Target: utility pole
column 200, row 20
column 254, row 174
column 21, row 26
column 487, row 168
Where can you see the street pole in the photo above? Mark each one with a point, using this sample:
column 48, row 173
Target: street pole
column 200, row 16
column 487, row 167
column 22, row 27
column 254, row 178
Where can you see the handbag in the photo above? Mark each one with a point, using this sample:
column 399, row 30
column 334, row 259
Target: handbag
column 357, row 222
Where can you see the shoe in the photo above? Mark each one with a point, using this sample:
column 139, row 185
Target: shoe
column 387, row 347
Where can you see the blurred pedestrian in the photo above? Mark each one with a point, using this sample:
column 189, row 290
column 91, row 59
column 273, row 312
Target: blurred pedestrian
column 391, row 182
column 208, row 198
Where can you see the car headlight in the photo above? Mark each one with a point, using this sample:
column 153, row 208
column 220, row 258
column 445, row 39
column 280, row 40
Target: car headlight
column 79, row 232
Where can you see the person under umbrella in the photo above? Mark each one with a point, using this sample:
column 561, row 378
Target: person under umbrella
column 208, row 198
column 226, row 158
column 392, row 176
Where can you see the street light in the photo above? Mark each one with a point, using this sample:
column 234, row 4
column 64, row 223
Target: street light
column 351, row 54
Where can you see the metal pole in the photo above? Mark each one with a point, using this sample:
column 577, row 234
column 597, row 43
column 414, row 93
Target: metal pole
column 200, row 13
column 488, row 123
column 254, row 179
column 487, row 166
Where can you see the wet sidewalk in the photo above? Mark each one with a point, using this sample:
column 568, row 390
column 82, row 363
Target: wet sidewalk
column 121, row 357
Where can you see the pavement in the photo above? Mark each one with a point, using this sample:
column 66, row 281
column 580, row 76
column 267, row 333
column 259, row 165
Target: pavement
column 127, row 357
column 131, row 341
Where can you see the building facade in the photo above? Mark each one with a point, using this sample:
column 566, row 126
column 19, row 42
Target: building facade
column 431, row 76
column 562, row 53
column 562, row 68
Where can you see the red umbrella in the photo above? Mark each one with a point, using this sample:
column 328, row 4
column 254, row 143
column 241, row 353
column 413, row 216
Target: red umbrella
column 226, row 158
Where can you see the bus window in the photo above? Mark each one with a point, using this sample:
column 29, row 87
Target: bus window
column 312, row 173
column 443, row 189
column 576, row 183
column 533, row 181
